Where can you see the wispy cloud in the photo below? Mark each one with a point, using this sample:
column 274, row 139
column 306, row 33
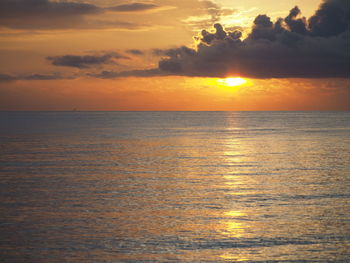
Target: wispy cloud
column 49, row 15
column 53, row 76
column 85, row 61
column 211, row 13
column 154, row 72
column 133, row 7
column 136, row 52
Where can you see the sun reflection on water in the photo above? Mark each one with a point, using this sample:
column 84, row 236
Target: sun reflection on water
column 233, row 228
column 232, row 225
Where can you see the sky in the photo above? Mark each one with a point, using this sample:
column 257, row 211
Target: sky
column 174, row 55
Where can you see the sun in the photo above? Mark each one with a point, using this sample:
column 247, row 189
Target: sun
column 233, row 82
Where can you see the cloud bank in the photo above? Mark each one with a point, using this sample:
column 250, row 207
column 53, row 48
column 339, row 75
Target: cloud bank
column 291, row 47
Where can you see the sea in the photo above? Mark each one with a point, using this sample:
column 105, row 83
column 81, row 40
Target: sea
column 175, row 187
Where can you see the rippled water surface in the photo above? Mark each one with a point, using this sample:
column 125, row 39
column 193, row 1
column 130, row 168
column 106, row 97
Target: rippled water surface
column 175, row 187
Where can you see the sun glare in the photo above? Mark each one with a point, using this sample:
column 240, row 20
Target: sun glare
column 233, row 82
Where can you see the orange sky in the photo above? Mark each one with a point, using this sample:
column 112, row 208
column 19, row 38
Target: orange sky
column 31, row 44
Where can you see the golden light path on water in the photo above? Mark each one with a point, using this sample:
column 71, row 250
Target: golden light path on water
column 234, row 226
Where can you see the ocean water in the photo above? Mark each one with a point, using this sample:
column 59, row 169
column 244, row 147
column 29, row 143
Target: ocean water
column 175, row 186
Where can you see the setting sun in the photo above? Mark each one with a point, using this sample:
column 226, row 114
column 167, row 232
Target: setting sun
column 233, row 82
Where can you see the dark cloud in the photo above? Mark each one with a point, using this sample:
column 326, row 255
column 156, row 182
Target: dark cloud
column 86, row 61
column 220, row 34
column 133, row 7
column 290, row 47
column 332, row 19
column 295, row 24
column 130, row 73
